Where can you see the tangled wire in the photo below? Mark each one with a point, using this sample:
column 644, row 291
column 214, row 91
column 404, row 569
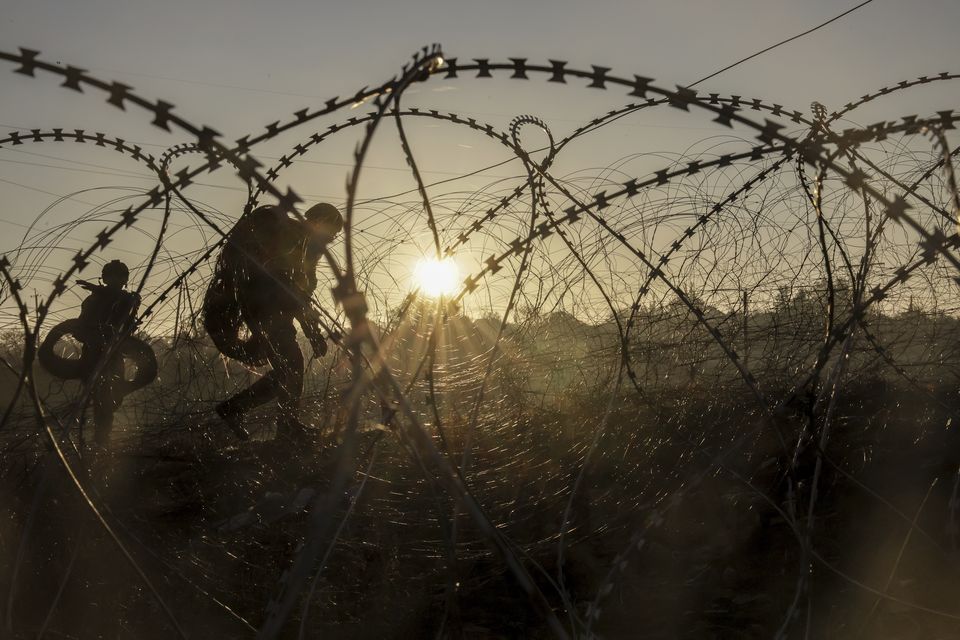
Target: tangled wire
column 667, row 396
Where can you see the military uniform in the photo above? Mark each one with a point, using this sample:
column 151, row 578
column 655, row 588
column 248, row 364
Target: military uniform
column 105, row 315
column 274, row 261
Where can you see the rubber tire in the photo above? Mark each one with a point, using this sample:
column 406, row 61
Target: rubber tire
column 132, row 348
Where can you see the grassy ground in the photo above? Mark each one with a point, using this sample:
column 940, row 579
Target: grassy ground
column 215, row 525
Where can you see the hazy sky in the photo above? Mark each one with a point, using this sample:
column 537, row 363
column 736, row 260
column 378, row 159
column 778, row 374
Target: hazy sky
column 239, row 65
column 313, row 48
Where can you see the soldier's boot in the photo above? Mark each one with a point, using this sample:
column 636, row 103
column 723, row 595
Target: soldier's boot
column 233, row 416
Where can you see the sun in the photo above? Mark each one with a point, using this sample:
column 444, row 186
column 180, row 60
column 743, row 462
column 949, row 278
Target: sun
column 437, row 278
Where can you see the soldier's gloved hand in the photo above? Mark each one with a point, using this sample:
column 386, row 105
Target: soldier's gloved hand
column 319, row 345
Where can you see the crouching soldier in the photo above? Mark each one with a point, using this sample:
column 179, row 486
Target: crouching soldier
column 266, row 275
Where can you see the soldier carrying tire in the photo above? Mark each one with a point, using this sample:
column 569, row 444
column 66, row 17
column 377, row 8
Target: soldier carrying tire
column 107, row 317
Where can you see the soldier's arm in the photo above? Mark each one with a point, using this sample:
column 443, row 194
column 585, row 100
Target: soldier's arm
column 134, row 303
column 309, row 321
column 129, row 317
column 89, row 318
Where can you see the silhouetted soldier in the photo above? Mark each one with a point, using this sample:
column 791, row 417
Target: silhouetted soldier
column 106, row 317
column 270, row 263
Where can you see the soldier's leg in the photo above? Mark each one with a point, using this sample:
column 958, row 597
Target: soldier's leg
column 112, row 380
column 101, row 392
column 287, row 362
column 261, row 391
column 104, row 405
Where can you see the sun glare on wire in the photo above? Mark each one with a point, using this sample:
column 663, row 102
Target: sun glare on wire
column 437, row 278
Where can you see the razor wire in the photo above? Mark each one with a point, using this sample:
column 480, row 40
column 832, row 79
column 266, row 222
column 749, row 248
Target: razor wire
column 769, row 264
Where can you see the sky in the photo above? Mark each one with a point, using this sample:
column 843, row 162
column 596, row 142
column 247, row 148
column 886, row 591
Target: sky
column 239, row 65
column 312, row 49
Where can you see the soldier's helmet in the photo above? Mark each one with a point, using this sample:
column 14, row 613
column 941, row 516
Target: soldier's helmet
column 325, row 218
column 115, row 273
